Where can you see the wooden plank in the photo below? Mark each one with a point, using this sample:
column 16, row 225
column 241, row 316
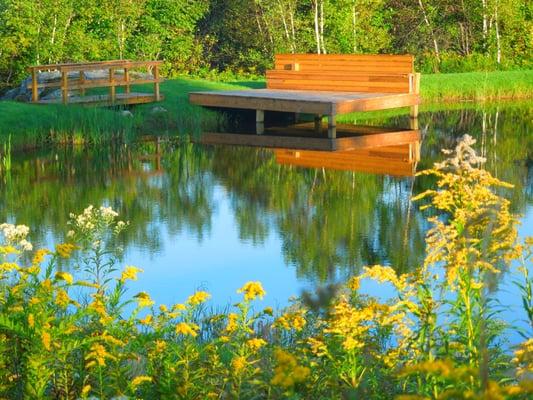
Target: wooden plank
column 116, row 65
column 346, row 57
column 34, row 87
column 93, row 83
column 112, row 89
column 156, row 82
column 104, row 100
column 378, row 103
column 81, row 82
column 339, row 75
column 369, row 87
column 127, row 80
column 64, row 87
column 214, row 99
column 56, row 66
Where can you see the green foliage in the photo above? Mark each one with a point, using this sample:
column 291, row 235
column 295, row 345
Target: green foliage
column 196, row 36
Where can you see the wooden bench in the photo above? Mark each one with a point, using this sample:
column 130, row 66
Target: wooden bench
column 112, row 81
column 326, row 85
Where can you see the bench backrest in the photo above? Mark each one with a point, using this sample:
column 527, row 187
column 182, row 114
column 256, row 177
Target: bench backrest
column 343, row 73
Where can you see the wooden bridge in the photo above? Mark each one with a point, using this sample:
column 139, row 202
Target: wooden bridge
column 323, row 85
column 119, row 74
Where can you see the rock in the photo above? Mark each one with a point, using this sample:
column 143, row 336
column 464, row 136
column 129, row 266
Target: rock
column 158, row 110
column 126, row 113
column 10, row 94
column 56, row 94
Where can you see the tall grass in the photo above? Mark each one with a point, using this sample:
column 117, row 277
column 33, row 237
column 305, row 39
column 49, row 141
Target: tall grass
column 5, row 159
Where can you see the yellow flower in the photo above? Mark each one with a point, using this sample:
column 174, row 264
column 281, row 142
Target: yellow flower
column 224, row 339
column 39, row 256
column 198, row 298
column 6, row 250
column 160, row 346
column 65, row 250
column 139, row 380
column 98, row 355
column 86, row 390
column 130, row 272
column 256, row 343
column 292, row 320
column 65, row 276
column 179, row 307
column 185, row 328
column 232, row 322
column 46, row 340
column 252, row 290
column 98, row 306
column 287, row 372
column 146, row 320
column 238, row 364
column 62, row 299
column 163, row 308
column 144, row 300
column 354, row 283
column 318, row 347
column 31, row 320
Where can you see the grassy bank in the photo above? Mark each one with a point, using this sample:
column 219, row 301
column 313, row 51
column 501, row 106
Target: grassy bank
column 32, row 125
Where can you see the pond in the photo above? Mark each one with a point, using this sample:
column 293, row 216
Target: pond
column 214, row 217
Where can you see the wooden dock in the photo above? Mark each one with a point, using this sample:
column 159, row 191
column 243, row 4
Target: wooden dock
column 326, row 85
column 119, row 74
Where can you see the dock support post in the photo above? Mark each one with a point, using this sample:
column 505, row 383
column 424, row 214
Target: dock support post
column 318, row 124
column 112, row 89
column 34, row 86
column 332, row 127
column 156, row 84
column 260, row 122
column 414, row 84
column 64, row 87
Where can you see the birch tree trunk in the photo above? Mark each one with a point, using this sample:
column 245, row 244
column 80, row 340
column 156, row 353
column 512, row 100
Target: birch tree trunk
column 322, row 26
column 354, row 26
column 497, row 27
column 317, row 30
column 485, row 22
column 428, row 24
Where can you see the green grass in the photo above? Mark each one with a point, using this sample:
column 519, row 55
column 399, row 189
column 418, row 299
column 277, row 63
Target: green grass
column 31, row 125
column 476, row 86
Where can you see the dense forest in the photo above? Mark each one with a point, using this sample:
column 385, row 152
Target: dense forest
column 241, row 36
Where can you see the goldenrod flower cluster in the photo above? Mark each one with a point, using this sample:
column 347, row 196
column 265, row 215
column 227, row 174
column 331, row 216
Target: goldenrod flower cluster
column 252, row 290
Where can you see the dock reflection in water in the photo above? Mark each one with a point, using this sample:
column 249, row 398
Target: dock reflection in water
column 398, row 160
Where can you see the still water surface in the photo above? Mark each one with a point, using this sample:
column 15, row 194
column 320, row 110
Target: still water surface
column 215, row 217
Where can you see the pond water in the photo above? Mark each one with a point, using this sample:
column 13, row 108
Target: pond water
column 215, row 217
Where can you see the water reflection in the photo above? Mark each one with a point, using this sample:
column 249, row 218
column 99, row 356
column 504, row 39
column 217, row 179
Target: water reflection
column 324, row 215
